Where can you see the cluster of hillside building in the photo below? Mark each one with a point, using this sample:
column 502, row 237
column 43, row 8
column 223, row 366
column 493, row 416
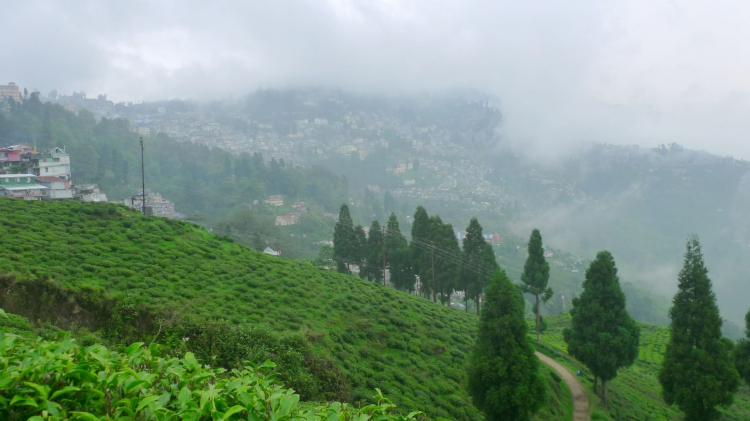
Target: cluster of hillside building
column 31, row 175
column 28, row 174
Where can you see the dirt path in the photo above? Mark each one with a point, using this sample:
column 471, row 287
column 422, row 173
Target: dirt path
column 580, row 397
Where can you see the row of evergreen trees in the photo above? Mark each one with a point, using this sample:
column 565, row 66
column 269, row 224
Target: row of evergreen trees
column 433, row 255
column 701, row 370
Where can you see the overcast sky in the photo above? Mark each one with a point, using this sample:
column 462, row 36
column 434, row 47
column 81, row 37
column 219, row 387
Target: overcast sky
column 634, row 72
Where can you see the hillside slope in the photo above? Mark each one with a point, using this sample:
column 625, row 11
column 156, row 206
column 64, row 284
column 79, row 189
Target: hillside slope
column 635, row 394
column 413, row 350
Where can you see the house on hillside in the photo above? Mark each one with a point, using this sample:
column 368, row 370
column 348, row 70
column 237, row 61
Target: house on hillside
column 89, row 193
column 51, row 163
column 288, row 219
column 156, row 205
column 275, row 200
column 20, row 186
column 271, row 251
column 57, row 188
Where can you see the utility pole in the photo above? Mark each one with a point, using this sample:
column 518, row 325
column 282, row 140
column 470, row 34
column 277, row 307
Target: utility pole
column 143, row 179
column 383, row 256
column 434, row 284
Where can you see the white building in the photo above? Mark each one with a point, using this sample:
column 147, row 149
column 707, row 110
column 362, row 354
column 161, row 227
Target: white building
column 52, row 163
column 57, row 188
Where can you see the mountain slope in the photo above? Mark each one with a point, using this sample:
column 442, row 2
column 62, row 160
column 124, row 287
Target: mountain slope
column 635, row 394
column 410, row 348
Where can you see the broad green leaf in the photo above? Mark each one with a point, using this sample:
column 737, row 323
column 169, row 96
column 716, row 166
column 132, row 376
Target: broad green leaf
column 132, row 386
column 233, row 410
column 20, row 400
column 82, row 374
column 43, row 390
column 86, row 416
column 132, row 348
column 64, row 390
column 145, row 402
column 185, row 396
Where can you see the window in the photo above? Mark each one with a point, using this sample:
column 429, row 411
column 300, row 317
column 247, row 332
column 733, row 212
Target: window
column 28, row 179
column 46, row 169
column 18, row 179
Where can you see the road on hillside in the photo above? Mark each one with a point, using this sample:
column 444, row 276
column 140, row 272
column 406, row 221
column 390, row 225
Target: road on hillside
column 580, row 397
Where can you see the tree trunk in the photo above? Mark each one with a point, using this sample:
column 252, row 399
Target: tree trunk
column 604, row 393
column 478, row 304
column 538, row 326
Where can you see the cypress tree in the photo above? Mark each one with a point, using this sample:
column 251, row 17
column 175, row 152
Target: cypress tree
column 398, row 257
column 535, row 277
column 698, row 373
column 487, row 260
column 447, row 271
column 359, row 251
column 603, row 335
column 473, row 246
column 374, row 261
column 503, row 370
column 420, row 257
column 344, row 240
column 742, row 353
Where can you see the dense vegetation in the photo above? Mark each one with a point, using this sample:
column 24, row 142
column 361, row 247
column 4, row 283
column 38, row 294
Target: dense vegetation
column 200, row 180
column 635, row 394
column 503, row 374
column 603, row 335
column 698, row 361
column 59, row 380
column 413, row 350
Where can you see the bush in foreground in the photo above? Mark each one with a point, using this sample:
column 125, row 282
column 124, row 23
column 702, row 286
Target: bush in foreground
column 42, row 380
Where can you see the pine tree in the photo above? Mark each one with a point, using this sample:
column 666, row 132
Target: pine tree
column 503, row 370
column 535, row 277
column 398, row 257
column 742, row 353
column 344, row 240
column 698, row 373
column 359, row 252
column 420, row 255
column 603, row 335
column 446, row 271
column 489, row 262
column 374, row 261
column 472, row 283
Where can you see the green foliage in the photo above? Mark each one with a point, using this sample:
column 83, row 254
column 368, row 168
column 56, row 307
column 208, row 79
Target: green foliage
column 635, row 394
column 503, row 374
column 374, row 262
column 443, row 274
column 97, row 253
column 535, row 276
column 603, row 335
column 742, row 352
column 698, row 372
column 344, row 241
column 398, row 257
column 420, row 231
column 474, row 246
column 61, row 380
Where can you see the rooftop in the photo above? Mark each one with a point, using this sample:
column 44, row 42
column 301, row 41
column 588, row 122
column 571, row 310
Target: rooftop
column 24, row 187
column 16, row 175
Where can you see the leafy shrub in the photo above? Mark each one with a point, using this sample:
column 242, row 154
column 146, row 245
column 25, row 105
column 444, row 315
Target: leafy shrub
column 67, row 381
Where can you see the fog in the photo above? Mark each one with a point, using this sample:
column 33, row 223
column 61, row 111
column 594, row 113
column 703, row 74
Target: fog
column 563, row 72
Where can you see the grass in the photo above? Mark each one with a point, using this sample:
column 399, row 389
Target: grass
column 635, row 394
column 413, row 350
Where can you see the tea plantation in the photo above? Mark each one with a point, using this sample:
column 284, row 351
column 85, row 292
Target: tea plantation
column 635, row 394
column 411, row 349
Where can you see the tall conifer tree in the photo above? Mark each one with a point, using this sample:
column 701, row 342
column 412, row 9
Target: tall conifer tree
column 344, row 240
column 698, row 373
column 503, row 371
column 473, row 247
column 420, row 256
column 447, row 271
column 603, row 335
column 374, row 261
column 399, row 259
column 535, row 277
column 359, row 252
column 742, row 353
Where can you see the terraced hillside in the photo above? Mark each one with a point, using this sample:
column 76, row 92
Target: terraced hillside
column 635, row 394
column 413, row 350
